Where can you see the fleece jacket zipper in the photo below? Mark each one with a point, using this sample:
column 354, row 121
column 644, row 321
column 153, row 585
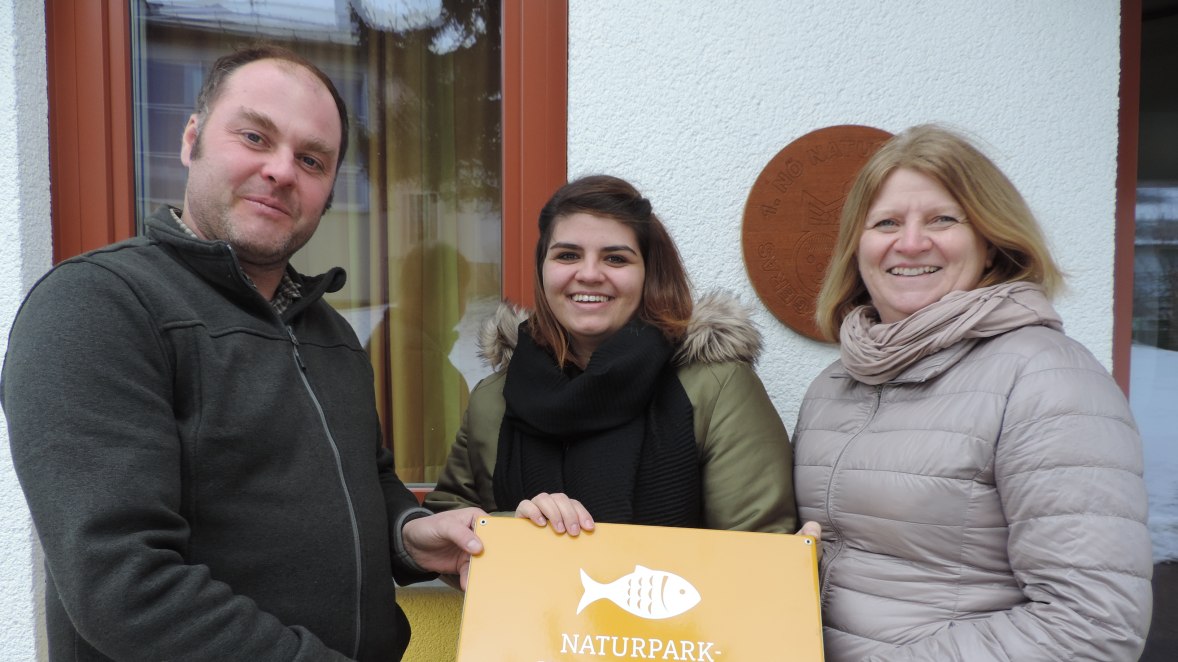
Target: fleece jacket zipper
column 339, row 466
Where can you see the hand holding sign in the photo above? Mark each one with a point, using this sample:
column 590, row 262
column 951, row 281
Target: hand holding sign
column 566, row 515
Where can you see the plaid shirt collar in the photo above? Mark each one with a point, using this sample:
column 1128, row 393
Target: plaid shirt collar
column 288, row 289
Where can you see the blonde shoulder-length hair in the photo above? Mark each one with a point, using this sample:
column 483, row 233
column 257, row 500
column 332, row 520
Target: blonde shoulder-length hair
column 989, row 200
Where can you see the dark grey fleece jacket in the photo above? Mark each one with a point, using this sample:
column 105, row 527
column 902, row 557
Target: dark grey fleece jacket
column 206, row 478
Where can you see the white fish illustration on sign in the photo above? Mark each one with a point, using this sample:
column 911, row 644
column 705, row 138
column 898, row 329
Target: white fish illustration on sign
column 646, row 593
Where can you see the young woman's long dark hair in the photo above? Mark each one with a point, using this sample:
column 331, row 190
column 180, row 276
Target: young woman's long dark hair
column 666, row 292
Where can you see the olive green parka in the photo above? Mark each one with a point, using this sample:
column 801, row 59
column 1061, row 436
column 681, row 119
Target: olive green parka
column 746, row 461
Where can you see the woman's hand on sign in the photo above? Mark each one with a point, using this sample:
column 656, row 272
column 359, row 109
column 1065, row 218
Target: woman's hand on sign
column 566, row 515
column 813, row 529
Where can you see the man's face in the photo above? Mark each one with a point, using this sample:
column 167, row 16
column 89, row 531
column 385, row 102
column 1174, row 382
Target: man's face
column 265, row 165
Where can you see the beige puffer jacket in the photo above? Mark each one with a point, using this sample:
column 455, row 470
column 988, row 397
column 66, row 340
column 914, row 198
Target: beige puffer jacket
column 986, row 504
column 745, row 454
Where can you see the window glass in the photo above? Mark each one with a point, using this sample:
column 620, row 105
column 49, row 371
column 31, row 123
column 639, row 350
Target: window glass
column 1153, row 387
column 416, row 219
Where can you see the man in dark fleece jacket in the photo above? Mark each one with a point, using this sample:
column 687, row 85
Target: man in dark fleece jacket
column 194, row 427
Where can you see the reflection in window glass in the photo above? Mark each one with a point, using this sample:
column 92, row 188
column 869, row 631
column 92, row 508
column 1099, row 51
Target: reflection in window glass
column 416, row 219
column 1155, row 268
column 1154, row 361
column 1153, row 367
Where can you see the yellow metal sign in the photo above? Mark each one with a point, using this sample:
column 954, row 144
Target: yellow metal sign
column 639, row 593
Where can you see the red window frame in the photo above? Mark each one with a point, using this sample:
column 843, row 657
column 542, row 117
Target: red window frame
column 1128, row 121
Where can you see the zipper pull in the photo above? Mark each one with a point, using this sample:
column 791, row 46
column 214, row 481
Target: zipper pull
column 295, row 342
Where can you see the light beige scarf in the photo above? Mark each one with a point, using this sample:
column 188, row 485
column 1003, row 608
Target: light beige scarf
column 874, row 352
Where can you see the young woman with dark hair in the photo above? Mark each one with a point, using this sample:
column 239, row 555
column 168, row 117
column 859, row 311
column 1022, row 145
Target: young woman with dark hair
column 618, row 399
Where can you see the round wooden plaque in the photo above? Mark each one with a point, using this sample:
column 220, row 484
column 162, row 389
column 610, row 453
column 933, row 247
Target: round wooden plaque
column 791, row 218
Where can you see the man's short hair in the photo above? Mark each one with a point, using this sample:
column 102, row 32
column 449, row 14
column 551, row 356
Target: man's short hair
column 214, row 83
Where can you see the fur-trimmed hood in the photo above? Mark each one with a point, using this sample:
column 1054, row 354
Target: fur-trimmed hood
column 721, row 329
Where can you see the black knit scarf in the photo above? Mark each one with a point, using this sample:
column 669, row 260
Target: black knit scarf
column 619, row 437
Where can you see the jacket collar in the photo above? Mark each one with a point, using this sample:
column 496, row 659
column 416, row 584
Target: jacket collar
column 927, row 368
column 720, row 330
column 216, row 263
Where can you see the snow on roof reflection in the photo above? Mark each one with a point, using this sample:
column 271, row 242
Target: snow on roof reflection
column 317, row 20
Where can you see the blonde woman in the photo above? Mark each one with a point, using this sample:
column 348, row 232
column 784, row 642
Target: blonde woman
column 977, row 474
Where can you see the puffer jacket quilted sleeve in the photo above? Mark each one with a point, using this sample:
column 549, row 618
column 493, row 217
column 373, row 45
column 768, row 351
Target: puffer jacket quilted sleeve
column 991, row 510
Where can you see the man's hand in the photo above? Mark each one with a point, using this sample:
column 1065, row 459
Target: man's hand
column 566, row 515
column 444, row 542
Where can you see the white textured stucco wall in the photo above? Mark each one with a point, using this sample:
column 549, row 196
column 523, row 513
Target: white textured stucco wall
column 25, row 252
column 691, row 99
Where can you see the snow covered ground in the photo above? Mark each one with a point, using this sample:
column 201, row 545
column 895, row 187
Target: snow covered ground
column 1153, row 395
